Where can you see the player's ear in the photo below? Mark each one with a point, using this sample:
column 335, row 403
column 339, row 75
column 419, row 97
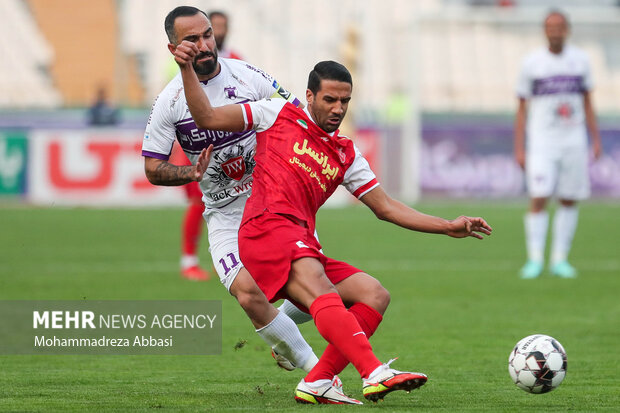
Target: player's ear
column 172, row 47
column 309, row 96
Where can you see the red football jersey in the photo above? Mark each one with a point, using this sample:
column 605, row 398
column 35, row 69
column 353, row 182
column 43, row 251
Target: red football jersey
column 299, row 165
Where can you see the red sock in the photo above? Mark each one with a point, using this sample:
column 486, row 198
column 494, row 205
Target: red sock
column 192, row 228
column 341, row 329
column 332, row 362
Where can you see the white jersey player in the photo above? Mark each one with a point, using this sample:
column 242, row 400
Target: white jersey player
column 226, row 180
column 554, row 102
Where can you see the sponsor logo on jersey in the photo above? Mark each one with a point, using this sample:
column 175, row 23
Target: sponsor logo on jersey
column 234, row 168
column 327, row 169
column 265, row 75
column 231, row 92
column 176, row 97
column 228, row 193
column 238, row 80
column 300, row 244
column 558, row 85
column 231, row 164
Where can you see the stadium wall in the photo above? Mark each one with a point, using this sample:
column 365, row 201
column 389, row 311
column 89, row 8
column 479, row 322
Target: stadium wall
column 460, row 157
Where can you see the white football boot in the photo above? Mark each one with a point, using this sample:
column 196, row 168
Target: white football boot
column 322, row 392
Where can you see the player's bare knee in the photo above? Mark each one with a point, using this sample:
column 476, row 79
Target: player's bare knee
column 245, row 290
column 375, row 295
column 250, row 301
column 568, row 203
column 380, row 298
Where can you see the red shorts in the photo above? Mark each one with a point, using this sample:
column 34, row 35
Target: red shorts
column 269, row 243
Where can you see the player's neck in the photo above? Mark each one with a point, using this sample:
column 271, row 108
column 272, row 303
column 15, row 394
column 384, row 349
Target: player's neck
column 204, row 78
column 556, row 49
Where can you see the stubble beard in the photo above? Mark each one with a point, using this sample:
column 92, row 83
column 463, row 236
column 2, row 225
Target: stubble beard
column 206, row 68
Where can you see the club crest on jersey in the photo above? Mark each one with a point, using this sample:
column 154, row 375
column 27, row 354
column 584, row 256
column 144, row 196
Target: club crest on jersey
column 302, row 123
column 565, row 111
column 231, row 92
column 234, row 168
column 342, row 155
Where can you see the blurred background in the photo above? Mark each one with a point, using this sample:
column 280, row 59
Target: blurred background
column 432, row 110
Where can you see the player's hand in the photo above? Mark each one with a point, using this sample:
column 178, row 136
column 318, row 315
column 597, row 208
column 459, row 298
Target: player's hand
column 468, row 227
column 520, row 158
column 185, row 53
column 597, row 150
column 202, row 163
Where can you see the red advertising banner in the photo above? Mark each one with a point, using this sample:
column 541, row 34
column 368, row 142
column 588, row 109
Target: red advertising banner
column 92, row 167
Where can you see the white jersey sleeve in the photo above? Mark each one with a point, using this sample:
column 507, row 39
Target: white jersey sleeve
column 261, row 115
column 524, row 81
column 160, row 132
column 588, row 82
column 268, row 87
column 359, row 179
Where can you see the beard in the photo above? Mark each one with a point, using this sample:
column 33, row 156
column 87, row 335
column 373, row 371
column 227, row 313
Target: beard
column 208, row 67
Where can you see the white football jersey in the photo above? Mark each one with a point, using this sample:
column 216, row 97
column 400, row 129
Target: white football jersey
column 554, row 85
column 229, row 175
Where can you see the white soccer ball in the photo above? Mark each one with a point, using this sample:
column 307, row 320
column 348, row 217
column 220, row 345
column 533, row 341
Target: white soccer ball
column 537, row 364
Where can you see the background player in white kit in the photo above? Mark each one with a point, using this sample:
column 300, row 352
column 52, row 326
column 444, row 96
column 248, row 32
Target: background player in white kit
column 227, row 177
column 555, row 83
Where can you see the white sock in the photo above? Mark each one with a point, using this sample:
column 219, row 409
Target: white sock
column 536, row 234
column 188, row 261
column 376, row 371
column 564, row 227
column 298, row 316
column 284, row 337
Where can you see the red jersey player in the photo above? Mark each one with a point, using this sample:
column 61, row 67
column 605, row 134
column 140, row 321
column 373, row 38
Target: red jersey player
column 300, row 161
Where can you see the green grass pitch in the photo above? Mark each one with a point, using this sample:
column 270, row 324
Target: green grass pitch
column 457, row 309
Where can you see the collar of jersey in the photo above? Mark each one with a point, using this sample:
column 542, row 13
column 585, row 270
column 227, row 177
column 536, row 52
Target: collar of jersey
column 332, row 134
column 216, row 77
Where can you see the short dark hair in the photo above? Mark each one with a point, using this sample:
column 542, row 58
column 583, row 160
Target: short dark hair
column 328, row 70
column 180, row 11
column 219, row 14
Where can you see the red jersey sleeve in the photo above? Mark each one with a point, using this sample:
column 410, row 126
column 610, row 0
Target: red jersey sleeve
column 262, row 114
column 359, row 178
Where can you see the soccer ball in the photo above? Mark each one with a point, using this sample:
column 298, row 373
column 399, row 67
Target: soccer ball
column 537, row 364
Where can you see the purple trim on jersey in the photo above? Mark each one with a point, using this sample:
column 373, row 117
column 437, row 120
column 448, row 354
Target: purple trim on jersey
column 155, row 155
column 201, row 139
column 558, row 84
column 194, row 140
column 296, row 102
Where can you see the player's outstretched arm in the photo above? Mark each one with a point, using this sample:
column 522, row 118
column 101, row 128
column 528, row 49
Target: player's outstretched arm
column 223, row 118
column 389, row 209
column 160, row 172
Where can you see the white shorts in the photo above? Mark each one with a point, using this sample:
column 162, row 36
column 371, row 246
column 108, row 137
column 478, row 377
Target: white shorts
column 562, row 172
column 223, row 228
